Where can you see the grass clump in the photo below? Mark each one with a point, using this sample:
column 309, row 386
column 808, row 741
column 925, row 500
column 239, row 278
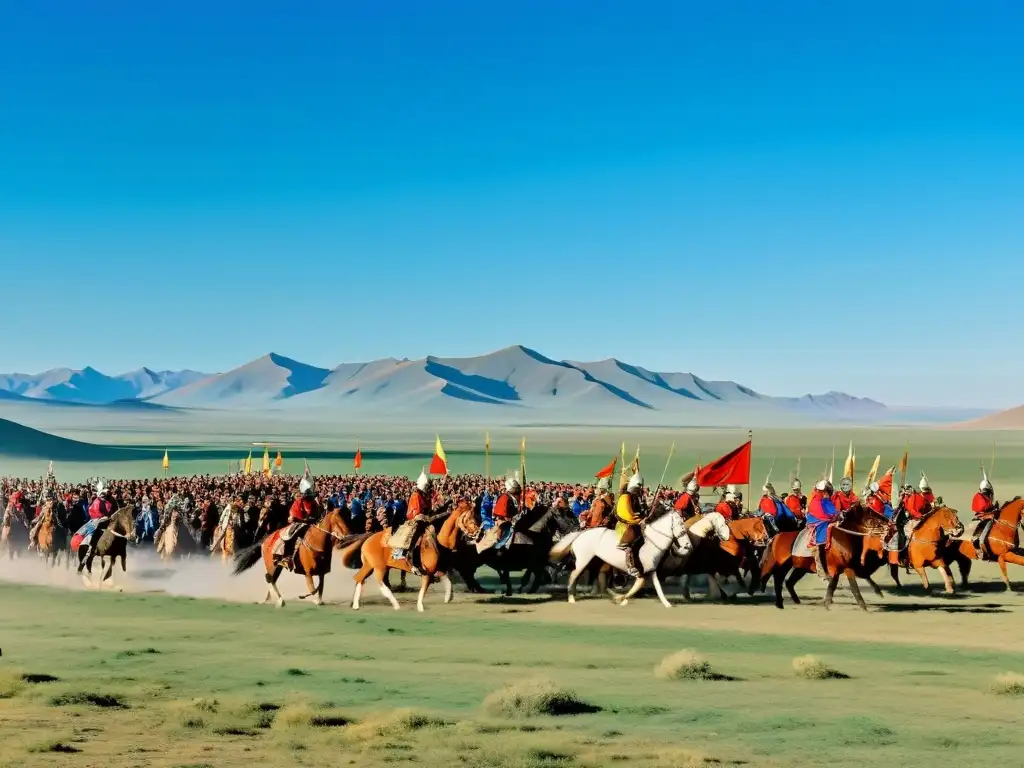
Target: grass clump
column 1008, row 684
column 11, row 685
column 39, row 677
column 102, row 700
column 687, row 665
column 812, row 668
column 393, row 723
column 533, row 698
column 58, row 747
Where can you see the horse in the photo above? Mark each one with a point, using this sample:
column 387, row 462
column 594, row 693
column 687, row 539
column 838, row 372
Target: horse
column 174, row 538
column 528, row 551
column 52, row 537
column 111, row 546
column 926, row 547
column 370, row 553
column 855, row 550
column 14, row 531
column 1001, row 542
column 725, row 558
column 459, row 534
column 312, row 556
column 228, row 532
column 665, row 536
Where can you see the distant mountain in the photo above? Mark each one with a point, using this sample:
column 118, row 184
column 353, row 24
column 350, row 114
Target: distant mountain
column 89, row 386
column 515, row 383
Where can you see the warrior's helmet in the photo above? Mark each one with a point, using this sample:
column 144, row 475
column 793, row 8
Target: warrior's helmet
column 768, row 489
column 924, row 485
column 604, row 485
column 796, row 485
column 692, row 486
column 985, row 487
column 423, row 481
column 512, row 484
column 306, row 486
column 636, row 482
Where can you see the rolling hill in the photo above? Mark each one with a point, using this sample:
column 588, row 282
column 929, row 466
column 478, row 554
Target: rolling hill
column 1012, row 418
column 21, row 442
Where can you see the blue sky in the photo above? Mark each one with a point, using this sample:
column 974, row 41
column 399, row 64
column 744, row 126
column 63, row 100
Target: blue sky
column 800, row 197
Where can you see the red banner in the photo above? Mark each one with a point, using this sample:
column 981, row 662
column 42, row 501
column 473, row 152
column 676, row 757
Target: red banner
column 357, row 462
column 734, row 467
column 609, row 470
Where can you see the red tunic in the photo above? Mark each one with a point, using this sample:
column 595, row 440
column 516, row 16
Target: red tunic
column 796, row 503
column 504, row 507
column 724, row 508
column 686, row 502
column 844, row 501
column 917, row 505
column 100, row 508
column 767, row 506
column 418, row 504
column 303, row 509
column 981, row 504
column 876, row 502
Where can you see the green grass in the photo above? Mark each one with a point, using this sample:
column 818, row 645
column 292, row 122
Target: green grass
column 216, row 686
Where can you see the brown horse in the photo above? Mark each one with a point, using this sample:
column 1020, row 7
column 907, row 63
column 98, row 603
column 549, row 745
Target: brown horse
column 52, row 538
column 14, row 530
column 370, row 553
column 1001, row 543
column 927, row 545
column 855, row 550
column 312, row 556
column 724, row 558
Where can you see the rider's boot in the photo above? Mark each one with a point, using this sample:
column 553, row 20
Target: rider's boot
column 821, row 563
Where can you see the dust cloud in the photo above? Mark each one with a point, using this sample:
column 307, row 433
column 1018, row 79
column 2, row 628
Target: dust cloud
column 198, row 576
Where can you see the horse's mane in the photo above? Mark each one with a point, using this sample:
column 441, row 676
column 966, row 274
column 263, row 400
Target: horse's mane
column 661, row 509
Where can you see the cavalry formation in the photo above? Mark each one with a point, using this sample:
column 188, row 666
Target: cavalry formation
column 450, row 528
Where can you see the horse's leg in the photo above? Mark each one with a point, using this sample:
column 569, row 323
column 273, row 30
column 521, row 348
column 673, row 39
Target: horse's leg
column 877, row 589
column 637, row 586
column 894, row 572
column 855, row 588
column 686, row 588
column 447, row 588
column 947, row 575
column 778, row 574
column 659, row 590
column 965, row 571
column 424, row 583
column 832, row 582
column 385, row 589
column 309, row 585
column 571, row 585
column 923, row 574
column 506, row 579
column 270, row 576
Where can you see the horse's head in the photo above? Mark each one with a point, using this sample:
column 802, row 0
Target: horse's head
column 335, row 525
column 753, row 529
column 122, row 524
column 948, row 521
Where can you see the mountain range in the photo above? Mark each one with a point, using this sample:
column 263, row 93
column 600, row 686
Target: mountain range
column 516, row 382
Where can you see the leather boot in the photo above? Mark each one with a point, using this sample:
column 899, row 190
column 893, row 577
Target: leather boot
column 821, row 561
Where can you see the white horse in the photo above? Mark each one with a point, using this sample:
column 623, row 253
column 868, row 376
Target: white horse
column 666, row 542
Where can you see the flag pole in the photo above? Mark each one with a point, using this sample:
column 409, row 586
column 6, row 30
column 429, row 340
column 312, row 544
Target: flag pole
column 487, row 456
column 750, row 439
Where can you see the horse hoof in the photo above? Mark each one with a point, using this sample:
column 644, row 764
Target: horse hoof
column 623, row 601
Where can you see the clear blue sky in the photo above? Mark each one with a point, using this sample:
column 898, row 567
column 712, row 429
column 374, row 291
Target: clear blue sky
column 798, row 196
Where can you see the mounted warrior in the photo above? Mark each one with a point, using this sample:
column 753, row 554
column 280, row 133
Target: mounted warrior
column 407, row 536
column 100, row 511
column 796, row 500
column 985, row 509
column 845, row 497
column 304, row 510
column 631, row 511
column 602, row 508
column 688, row 503
column 821, row 512
column 508, row 508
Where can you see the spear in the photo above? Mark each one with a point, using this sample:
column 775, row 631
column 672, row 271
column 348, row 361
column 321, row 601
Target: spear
column 668, row 461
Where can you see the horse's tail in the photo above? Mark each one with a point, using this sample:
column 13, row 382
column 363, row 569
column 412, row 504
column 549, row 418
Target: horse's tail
column 351, row 553
column 563, row 547
column 247, row 558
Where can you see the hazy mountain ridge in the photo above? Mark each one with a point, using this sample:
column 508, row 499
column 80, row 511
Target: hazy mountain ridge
column 514, row 380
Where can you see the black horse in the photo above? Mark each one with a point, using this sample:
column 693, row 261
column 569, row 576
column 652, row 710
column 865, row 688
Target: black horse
column 535, row 534
column 111, row 545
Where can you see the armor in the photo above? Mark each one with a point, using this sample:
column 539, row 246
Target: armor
column 630, row 511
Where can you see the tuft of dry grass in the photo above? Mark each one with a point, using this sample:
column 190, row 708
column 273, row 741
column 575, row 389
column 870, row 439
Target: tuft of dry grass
column 686, row 665
column 1008, row 684
column 532, row 698
column 11, row 684
column 393, row 723
column 811, row 667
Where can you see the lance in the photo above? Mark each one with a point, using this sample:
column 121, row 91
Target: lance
column 664, row 472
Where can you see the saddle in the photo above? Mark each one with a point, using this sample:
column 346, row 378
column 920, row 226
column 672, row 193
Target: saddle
column 803, row 544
